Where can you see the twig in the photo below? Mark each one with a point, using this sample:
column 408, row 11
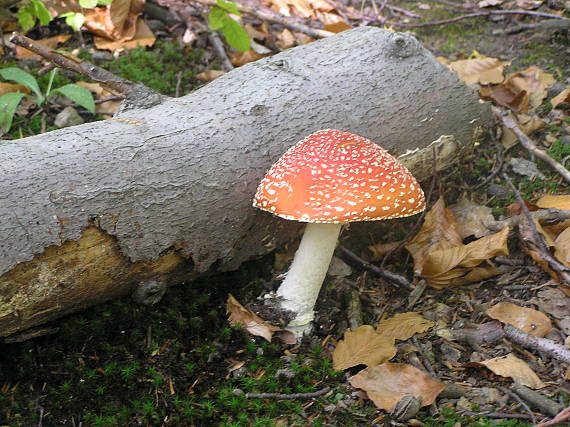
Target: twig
column 538, row 400
column 277, row 19
column 562, row 416
column 178, row 83
column 392, row 277
column 498, row 415
column 559, row 352
column 537, row 239
column 548, row 25
column 218, row 46
column 291, row 396
column 354, row 310
column 516, row 397
column 84, row 68
column 529, row 144
column 476, row 15
column 541, row 215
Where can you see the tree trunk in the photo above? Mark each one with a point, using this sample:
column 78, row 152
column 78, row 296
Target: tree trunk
column 162, row 193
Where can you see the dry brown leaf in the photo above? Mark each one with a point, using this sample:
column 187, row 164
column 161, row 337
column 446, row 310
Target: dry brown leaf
column 337, row 27
column 561, row 201
column 443, row 260
column 562, row 247
column 515, row 208
column 380, row 249
column 109, row 108
column 387, row 383
column 254, row 324
column 533, row 81
column 505, row 95
column 404, row 325
column 471, row 218
column 51, row 42
column 443, row 60
column 439, row 231
column 322, row 6
column 143, row 37
column 281, row 6
column 235, row 365
column 241, row 58
column 303, row 7
column 562, row 98
column 12, row 87
column 117, row 22
column 482, row 70
column 209, row 75
column 57, row 7
column 528, row 125
column 285, row 40
column 362, row 347
column 526, row 319
column 258, row 32
column 512, row 367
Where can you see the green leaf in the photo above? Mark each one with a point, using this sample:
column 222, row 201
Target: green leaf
column 217, row 18
column 26, row 79
column 88, row 4
column 26, row 17
column 104, row 2
column 79, row 95
column 8, row 105
column 41, row 12
column 74, row 19
column 228, row 6
column 235, row 35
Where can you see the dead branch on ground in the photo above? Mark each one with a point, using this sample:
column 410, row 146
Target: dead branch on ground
column 529, row 144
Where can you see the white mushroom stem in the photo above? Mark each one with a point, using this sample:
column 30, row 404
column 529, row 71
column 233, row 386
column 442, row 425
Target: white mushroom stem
column 301, row 287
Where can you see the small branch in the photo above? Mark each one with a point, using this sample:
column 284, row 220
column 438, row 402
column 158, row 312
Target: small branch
column 392, row 277
column 537, row 400
column 354, row 309
column 562, row 416
column 542, row 215
column 536, row 238
column 548, row 25
column 291, row 396
column 84, row 68
column 476, row 15
column 277, row 19
column 557, row 351
column 516, row 397
column 498, row 415
column 529, row 144
column 218, row 46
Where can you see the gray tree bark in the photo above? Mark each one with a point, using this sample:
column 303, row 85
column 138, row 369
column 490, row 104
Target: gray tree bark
column 164, row 193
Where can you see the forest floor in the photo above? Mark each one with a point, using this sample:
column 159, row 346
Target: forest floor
column 179, row 362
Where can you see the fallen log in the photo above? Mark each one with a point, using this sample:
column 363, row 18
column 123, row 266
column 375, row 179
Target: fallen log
column 162, row 193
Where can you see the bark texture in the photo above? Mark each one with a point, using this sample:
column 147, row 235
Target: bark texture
column 165, row 191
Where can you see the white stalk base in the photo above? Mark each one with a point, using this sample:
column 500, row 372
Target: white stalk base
column 301, row 287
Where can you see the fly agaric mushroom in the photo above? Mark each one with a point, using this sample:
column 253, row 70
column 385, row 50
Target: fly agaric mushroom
column 328, row 179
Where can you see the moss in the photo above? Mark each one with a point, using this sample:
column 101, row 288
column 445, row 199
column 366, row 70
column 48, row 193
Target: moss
column 159, row 67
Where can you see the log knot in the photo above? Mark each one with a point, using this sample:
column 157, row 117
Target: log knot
column 403, row 46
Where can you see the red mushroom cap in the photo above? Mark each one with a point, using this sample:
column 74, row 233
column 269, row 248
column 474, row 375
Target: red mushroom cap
column 333, row 176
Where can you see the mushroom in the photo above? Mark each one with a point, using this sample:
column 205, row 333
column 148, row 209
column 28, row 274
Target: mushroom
column 328, row 179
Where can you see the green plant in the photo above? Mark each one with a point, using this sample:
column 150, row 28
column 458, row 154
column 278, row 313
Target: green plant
column 9, row 101
column 32, row 12
column 219, row 20
column 76, row 19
